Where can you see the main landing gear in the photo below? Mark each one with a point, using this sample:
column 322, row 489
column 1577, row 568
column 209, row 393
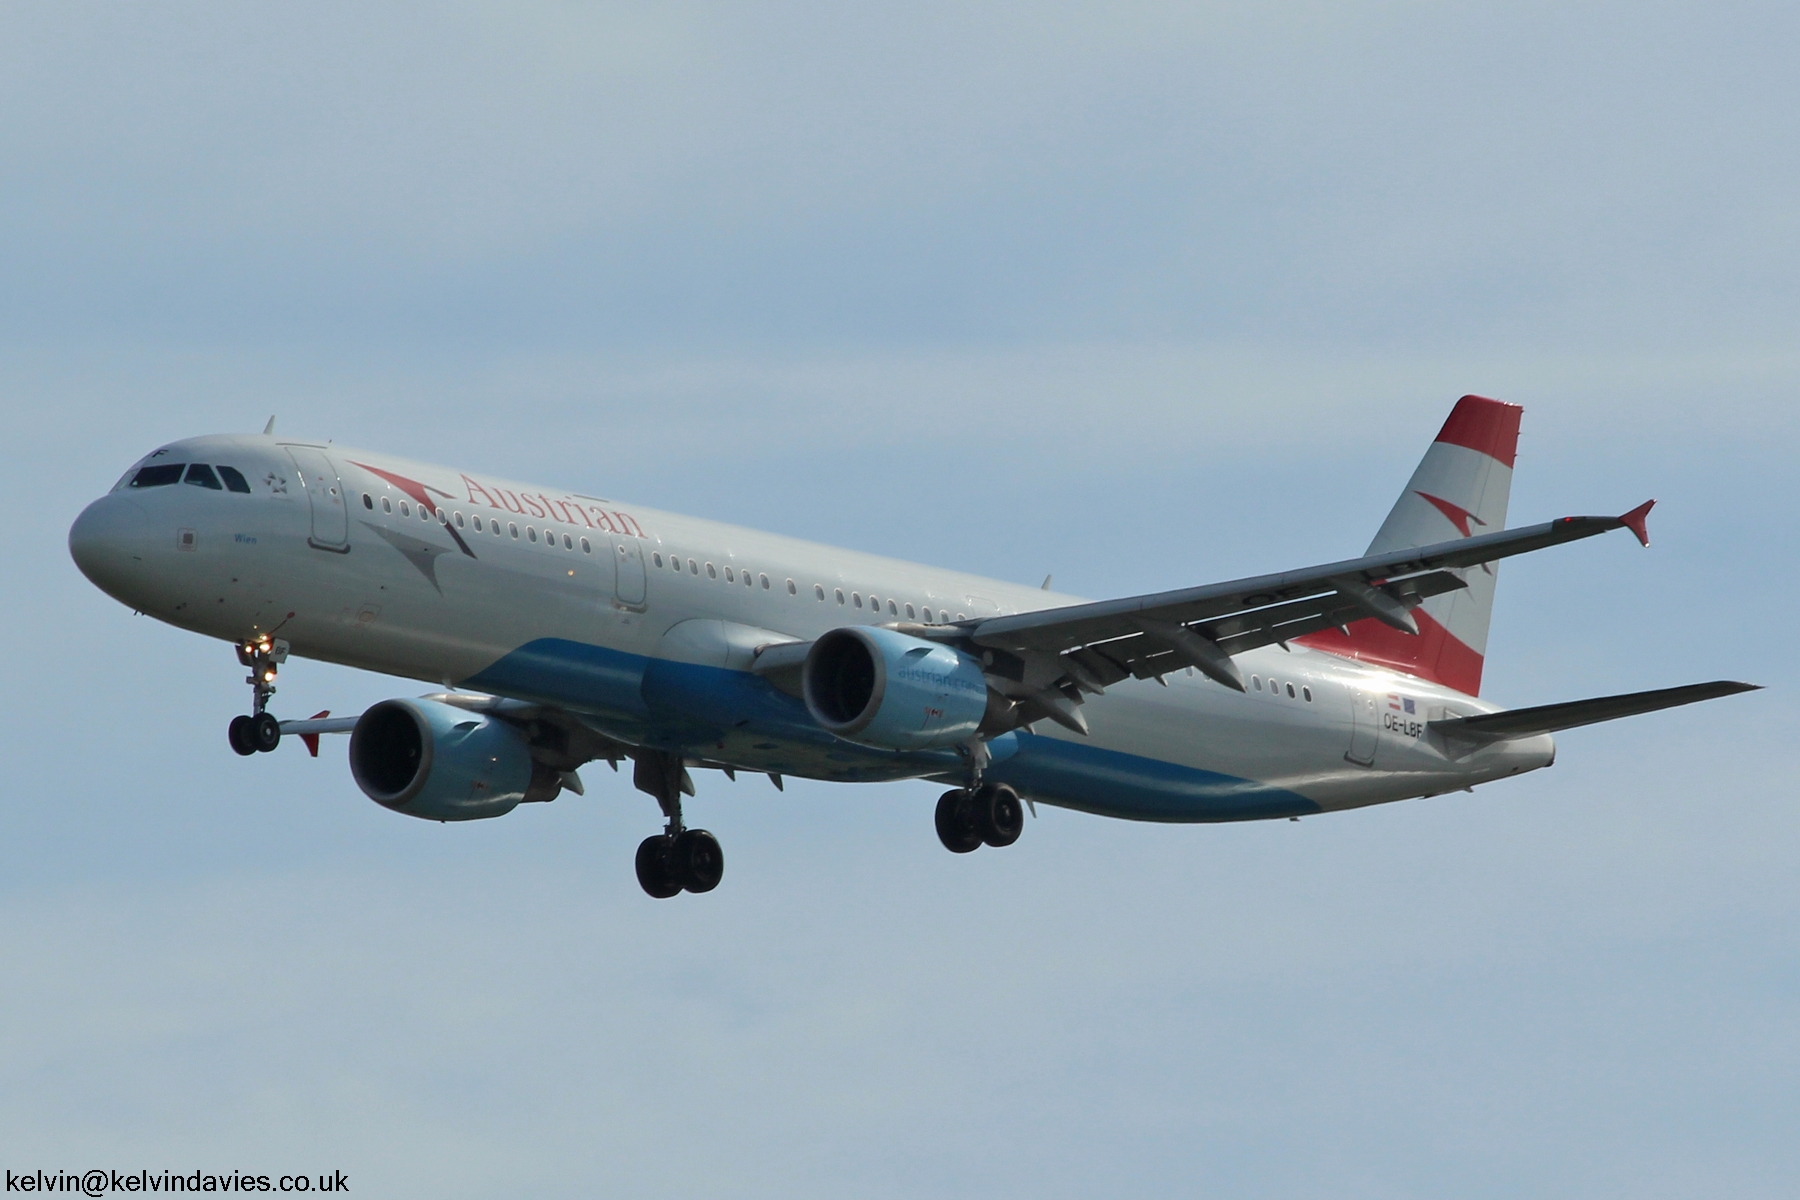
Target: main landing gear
column 678, row 859
column 259, row 730
column 991, row 814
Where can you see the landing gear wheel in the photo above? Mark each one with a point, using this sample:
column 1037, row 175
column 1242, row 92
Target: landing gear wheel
column 241, row 735
column 265, row 732
column 955, row 824
column 653, row 872
column 696, row 860
column 999, row 817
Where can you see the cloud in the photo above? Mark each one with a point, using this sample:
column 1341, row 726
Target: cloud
column 612, row 175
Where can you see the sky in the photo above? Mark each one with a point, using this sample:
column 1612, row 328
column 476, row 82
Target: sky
column 1140, row 295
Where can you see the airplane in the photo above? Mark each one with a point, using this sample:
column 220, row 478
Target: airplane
column 569, row 628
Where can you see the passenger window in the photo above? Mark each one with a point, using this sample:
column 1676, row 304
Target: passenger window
column 405, row 509
column 387, row 506
column 459, row 521
column 857, row 598
column 1256, row 682
column 1290, row 691
column 423, row 515
column 874, row 604
column 961, row 617
column 368, row 502
column 818, row 592
column 530, row 534
column 510, row 528
column 202, row 475
column 729, row 577
column 476, row 522
column 1307, row 692
column 656, row 559
column 909, row 612
column 585, row 548
column 840, row 595
column 568, row 542
column 892, row 611
column 710, row 572
column 693, row 567
column 495, row 527
column 234, row 480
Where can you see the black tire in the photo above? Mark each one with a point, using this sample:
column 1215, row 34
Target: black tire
column 697, row 861
column 653, row 871
column 265, row 732
column 955, row 826
column 999, row 814
column 239, row 732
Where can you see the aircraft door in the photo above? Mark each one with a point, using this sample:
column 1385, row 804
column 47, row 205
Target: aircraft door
column 1365, row 727
column 628, row 571
column 325, row 494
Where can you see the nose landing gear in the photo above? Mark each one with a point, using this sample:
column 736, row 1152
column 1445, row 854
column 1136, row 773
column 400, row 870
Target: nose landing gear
column 258, row 731
column 678, row 859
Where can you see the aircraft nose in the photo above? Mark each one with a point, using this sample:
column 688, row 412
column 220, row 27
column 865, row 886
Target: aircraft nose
column 108, row 540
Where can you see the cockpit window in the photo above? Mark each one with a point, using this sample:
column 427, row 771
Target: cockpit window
column 202, row 475
column 160, row 475
column 234, row 480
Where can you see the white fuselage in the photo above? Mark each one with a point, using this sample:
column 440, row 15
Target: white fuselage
column 645, row 622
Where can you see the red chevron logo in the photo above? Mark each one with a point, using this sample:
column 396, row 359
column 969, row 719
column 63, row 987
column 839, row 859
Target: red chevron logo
column 421, row 492
column 1459, row 516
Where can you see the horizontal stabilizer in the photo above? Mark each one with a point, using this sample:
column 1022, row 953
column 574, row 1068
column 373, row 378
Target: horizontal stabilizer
column 1549, row 718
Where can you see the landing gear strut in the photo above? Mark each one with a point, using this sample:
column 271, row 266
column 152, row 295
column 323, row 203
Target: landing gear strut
column 258, row 731
column 677, row 859
column 990, row 814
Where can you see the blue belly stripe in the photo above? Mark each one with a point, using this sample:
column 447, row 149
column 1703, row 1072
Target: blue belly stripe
column 736, row 716
column 1111, row 783
column 589, row 679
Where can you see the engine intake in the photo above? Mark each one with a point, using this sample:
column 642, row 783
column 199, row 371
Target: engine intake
column 892, row 691
column 443, row 763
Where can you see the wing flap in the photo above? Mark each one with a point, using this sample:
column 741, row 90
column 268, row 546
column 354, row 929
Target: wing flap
column 1144, row 657
column 1058, row 629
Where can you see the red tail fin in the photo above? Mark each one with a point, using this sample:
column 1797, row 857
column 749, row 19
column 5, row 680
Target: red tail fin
column 1460, row 489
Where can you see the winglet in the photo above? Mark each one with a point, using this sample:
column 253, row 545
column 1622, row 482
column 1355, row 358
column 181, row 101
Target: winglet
column 312, row 739
column 1634, row 521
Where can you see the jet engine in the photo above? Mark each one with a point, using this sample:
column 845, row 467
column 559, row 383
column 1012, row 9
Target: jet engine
column 443, row 763
column 880, row 688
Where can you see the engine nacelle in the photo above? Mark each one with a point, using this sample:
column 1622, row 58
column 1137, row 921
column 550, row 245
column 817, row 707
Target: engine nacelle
column 885, row 689
column 443, row 763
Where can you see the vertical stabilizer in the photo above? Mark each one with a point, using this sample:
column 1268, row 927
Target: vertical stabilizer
column 1459, row 490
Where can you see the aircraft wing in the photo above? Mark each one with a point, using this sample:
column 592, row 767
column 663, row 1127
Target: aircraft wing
column 558, row 736
column 1101, row 643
